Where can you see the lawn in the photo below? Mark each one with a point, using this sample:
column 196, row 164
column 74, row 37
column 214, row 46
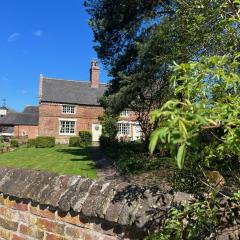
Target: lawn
column 62, row 160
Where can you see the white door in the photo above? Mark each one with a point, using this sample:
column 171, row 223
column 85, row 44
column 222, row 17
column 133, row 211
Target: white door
column 96, row 132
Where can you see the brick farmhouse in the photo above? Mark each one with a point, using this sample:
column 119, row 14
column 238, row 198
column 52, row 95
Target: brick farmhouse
column 67, row 107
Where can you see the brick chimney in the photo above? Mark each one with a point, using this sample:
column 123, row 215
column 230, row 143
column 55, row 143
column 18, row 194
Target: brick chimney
column 41, row 87
column 94, row 74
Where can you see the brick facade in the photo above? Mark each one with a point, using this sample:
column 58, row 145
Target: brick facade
column 50, row 113
column 25, row 130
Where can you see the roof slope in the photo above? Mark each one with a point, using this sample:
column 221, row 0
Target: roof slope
column 71, row 92
column 25, row 118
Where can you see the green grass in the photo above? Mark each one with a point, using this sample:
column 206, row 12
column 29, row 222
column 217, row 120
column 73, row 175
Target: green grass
column 60, row 159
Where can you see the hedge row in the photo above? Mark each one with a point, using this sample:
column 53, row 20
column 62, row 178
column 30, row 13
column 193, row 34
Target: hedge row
column 42, row 142
column 84, row 139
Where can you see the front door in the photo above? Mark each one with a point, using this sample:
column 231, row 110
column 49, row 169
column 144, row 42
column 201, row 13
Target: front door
column 96, row 132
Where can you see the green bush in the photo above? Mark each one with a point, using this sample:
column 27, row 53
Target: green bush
column 74, row 142
column 31, row 143
column 85, row 138
column 45, row 142
column 14, row 143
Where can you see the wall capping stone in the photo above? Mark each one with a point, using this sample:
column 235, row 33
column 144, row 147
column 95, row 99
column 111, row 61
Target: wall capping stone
column 128, row 209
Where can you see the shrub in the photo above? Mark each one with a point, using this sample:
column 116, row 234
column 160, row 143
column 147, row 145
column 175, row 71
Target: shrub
column 109, row 126
column 45, row 142
column 74, row 142
column 14, row 143
column 31, row 143
column 85, row 138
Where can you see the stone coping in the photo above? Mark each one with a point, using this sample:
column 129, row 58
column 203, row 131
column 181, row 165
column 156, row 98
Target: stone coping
column 113, row 201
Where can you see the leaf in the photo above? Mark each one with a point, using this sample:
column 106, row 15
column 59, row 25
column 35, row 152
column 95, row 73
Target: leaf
column 154, row 141
column 181, row 156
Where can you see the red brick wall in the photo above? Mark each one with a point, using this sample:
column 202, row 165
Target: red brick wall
column 49, row 115
column 26, row 221
column 30, row 131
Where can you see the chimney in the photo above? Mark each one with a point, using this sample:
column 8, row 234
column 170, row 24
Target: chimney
column 41, row 87
column 94, row 74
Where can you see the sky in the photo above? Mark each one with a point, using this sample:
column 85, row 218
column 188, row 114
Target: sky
column 49, row 37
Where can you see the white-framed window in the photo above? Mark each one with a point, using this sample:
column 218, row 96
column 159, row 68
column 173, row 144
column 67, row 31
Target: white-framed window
column 67, row 127
column 68, row 109
column 123, row 128
column 125, row 113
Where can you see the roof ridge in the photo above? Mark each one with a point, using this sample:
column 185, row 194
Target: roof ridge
column 69, row 80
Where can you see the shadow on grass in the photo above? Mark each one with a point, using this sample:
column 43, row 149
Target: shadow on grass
column 83, row 153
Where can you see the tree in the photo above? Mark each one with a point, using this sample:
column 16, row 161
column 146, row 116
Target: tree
column 138, row 41
column 210, row 90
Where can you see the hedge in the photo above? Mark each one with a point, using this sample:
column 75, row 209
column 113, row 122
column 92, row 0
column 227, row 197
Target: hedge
column 74, row 141
column 85, row 137
column 45, row 142
column 14, row 143
column 31, row 143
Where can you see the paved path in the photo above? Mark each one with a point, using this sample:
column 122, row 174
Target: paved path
column 105, row 167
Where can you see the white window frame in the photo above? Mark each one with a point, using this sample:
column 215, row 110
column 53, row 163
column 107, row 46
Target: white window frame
column 68, row 109
column 122, row 126
column 67, row 120
column 125, row 113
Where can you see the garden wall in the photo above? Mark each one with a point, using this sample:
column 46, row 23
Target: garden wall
column 40, row 205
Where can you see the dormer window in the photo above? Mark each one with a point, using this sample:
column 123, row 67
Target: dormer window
column 125, row 113
column 70, row 109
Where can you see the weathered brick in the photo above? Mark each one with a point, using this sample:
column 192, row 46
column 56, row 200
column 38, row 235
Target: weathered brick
column 51, row 236
column 73, row 232
column 20, row 206
column 50, row 226
column 42, row 212
column 17, row 237
column 5, row 234
column 73, row 219
column 8, row 203
column 8, row 224
column 31, row 231
column 1, row 199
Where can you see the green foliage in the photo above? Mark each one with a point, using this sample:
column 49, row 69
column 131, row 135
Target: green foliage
column 45, row 142
column 192, row 221
column 130, row 157
column 1, row 139
column 31, row 143
column 85, row 138
column 206, row 97
column 148, row 37
column 109, row 126
column 236, row 196
column 14, row 143
column 74, row 141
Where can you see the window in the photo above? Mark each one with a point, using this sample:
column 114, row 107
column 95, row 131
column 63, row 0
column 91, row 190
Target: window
column 68, row 109
column 67, row 127
column 124, row 128
column 125, row 113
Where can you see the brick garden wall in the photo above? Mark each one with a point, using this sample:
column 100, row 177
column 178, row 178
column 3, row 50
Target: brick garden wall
column 40, row 205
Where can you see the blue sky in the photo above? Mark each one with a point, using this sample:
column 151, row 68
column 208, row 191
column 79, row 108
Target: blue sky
column 51, row 37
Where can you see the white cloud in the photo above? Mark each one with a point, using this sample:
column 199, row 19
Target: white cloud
column 14, row 37
column 23, row 92
column 38, row 33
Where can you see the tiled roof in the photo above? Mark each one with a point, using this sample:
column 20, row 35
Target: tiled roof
column 71, row 92
column 25, row 118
